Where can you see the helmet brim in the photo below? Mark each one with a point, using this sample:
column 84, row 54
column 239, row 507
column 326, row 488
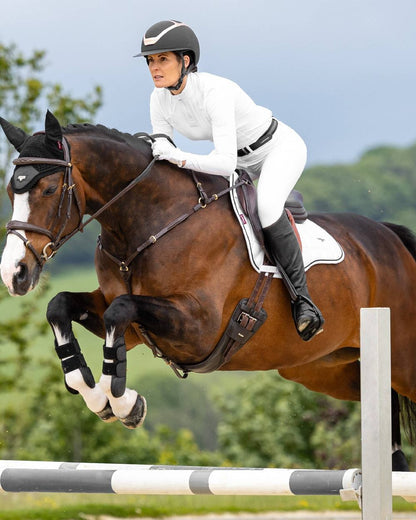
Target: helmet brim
column 158, row 51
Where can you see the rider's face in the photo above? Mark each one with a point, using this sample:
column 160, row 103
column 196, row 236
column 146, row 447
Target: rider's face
column 165, row 69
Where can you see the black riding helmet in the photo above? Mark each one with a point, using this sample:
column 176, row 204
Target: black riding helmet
column 172, row 36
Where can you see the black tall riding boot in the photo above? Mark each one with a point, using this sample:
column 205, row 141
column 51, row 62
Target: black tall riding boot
column 283, row 248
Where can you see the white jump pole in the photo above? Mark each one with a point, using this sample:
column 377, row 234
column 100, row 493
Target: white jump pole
column 61, row 477
column 376, row 414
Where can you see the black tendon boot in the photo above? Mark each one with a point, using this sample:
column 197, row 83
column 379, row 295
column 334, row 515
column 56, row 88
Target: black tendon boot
column 283, row 248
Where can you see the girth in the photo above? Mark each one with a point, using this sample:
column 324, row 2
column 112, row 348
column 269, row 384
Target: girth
column 247, row 318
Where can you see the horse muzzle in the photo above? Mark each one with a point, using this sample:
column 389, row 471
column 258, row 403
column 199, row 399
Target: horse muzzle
column 20, row 270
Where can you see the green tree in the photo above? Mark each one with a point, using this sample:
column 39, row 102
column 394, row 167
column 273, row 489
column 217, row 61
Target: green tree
column 271, row 422
column 23, row 98
column 179, row 404
column 55, row 425
column 380, row 185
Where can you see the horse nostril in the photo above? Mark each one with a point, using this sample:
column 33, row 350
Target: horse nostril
column 21, row 279
column 21, row 274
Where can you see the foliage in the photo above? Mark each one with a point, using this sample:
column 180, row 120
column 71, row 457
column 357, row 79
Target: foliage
column 272, row 422
column 23, row 95
column 179, row 404
column 380, row 185
column 53, row 424
column 15, row 337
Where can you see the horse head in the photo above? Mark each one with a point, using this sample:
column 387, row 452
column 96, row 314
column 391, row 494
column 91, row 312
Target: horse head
column 46, row 204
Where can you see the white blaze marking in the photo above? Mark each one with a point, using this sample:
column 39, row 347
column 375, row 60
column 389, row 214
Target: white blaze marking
column 15, row 249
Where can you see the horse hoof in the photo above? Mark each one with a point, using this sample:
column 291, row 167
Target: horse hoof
column 137, row 414
column 107, row 414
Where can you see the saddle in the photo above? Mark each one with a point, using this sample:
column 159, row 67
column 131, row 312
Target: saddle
column 249, row 314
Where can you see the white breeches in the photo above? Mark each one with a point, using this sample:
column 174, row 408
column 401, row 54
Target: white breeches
column 278, row 164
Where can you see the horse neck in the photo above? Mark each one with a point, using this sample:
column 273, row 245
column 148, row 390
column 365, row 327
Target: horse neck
column 104, row 168
column 107, row 166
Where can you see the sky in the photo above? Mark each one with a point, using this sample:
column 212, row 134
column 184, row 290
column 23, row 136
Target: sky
column 340, row 72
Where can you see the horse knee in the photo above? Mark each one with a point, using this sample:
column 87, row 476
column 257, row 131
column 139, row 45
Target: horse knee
column 118, row 313
column 54, row 310
column 59, row 308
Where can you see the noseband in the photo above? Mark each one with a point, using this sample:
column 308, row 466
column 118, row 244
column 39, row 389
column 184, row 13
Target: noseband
column 68, row 191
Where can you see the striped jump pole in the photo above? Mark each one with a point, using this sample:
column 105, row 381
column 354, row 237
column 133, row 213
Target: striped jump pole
column 58, row 477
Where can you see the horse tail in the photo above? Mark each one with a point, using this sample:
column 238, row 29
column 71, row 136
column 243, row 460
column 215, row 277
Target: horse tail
column 407, row 407
column 406, row 236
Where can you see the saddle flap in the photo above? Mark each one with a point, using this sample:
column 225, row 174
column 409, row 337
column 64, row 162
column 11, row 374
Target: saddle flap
column 247, row 197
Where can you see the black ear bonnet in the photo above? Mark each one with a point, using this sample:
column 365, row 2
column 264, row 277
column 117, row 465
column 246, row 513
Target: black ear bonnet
column 26, row 176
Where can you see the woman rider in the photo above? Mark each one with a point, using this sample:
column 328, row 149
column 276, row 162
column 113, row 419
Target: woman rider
column 202, row 106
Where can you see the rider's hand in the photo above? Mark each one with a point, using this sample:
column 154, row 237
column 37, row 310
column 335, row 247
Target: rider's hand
column 164, row 150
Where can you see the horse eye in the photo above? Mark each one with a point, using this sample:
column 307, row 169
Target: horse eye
column 50, row 190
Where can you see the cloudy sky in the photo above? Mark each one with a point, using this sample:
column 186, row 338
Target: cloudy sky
column 341, row 72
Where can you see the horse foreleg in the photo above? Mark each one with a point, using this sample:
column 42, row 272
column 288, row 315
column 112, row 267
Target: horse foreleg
column 172, row 319
column 86, row 309
column 127, row 405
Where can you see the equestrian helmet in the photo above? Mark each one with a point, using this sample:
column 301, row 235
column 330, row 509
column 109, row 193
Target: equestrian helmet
column 170, row 35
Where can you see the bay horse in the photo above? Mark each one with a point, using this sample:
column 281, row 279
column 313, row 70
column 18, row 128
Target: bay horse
column 172, row 265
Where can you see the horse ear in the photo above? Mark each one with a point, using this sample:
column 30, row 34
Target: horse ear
column 15, row 135
column 53, row 130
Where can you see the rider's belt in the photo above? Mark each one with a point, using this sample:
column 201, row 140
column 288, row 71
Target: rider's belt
column 265, row 138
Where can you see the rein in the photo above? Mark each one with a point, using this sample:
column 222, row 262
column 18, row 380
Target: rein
column 69, row 189
column 203, row 202
column 57, row 241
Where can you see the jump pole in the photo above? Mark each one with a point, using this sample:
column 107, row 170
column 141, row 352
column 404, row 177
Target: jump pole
column 61, row 477
column 376, row 460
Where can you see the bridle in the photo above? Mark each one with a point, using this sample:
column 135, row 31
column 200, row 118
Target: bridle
column 68, row 192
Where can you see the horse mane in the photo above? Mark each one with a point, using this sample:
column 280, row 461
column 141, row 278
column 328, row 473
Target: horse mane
column 111, row 133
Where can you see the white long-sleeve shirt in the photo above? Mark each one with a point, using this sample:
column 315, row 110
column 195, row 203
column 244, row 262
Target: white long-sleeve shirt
column 210, row 108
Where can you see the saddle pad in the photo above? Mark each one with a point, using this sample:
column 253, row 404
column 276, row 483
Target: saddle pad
column 318, row 246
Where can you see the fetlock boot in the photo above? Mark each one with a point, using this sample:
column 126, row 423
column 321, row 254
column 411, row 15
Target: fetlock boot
column 283, row 248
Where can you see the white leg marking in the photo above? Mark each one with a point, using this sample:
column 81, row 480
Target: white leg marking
column 123, row 405
column 94, row 398
column 15, row 249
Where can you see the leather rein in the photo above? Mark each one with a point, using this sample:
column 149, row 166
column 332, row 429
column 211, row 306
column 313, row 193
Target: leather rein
column 69, row 192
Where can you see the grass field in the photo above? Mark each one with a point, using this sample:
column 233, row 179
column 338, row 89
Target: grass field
column 28, row 506
column 56, row 507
